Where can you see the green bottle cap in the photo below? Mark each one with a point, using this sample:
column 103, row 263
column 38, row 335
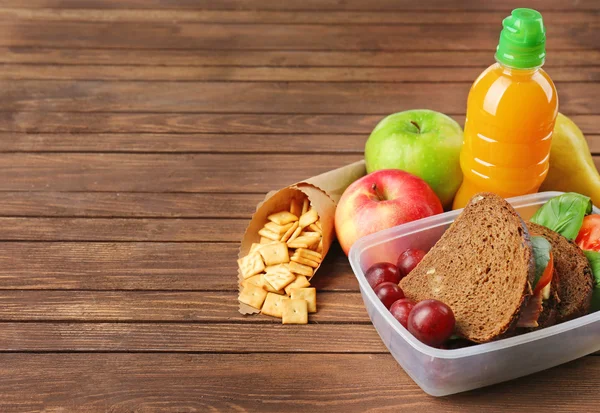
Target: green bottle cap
column 522, row 40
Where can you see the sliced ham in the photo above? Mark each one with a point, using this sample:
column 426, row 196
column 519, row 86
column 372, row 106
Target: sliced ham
column 531, row 313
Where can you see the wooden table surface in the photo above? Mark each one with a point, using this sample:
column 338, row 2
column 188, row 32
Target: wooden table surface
column 137, row 136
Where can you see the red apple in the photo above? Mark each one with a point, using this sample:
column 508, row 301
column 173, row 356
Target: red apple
column 381, row 200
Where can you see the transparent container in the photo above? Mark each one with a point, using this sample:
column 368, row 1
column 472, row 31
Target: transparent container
column 442, row 372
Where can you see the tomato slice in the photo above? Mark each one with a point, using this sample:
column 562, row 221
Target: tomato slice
column 589, row 234
column 546, row 277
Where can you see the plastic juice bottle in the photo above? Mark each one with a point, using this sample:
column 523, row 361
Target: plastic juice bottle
column 511, row 110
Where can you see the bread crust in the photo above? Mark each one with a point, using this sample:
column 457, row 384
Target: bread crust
column 576, row 278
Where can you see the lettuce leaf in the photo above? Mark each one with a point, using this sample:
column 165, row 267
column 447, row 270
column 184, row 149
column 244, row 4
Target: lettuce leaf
column 564, row 214
column 541, row 255
column 594, row 260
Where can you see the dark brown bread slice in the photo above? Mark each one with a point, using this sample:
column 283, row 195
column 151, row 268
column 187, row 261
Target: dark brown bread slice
column 482, row 267
column 576, row 279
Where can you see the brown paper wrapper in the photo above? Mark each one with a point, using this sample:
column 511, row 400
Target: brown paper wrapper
column 323, row 191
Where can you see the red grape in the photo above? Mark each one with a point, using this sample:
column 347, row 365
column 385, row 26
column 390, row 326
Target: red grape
column 382, row 272
column 408, row 260
column 432, row 322
column 401, row 309
column 388, row 292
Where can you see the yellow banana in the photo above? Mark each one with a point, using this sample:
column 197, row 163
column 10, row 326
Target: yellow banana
column 572, row 168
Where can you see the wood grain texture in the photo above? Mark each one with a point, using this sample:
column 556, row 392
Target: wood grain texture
column 217, row 123
column 196, row 143
column 161, row 173
column 268, row 74
column 320, row 5
column 228, row 382
column 238, row 173
column 142, row 266
column 373, row 16
column 167, row 338
column 171, row 143
column 164, row 306
column 127, row 204
column 121, row 229
column 276, row 58
column 183, row 35
column 258, row 97
column 208, row 338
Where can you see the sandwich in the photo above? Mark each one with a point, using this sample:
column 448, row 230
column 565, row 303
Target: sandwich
column 574, row 290
column 500, row 275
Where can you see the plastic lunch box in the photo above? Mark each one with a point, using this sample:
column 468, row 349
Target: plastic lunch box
column 442, row 372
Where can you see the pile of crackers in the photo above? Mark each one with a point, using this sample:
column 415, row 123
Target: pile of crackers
column 277, row 271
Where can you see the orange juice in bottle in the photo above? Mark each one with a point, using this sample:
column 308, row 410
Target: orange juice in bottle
column 511, row 110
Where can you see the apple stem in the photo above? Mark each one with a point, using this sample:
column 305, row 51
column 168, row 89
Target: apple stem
column 379, row 195
column 416, row 125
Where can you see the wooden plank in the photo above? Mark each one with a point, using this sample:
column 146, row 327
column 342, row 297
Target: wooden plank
column 122, row 266
column 161, row 173
column 292, row 382
column 122, row 229
column 277, row 58
column 141, row 266
column 213, row 338
column 189, row 143
column 218, row 123
column 258, row 97
column 269, row 74
column 177, row 35
column 242, row 173
column 288, row 17
column 321, row 5
column 251, row 97
column 171, row 143
column 166, row 306
column 127, row 204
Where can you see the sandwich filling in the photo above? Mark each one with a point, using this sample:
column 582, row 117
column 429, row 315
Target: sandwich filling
column 542, row 285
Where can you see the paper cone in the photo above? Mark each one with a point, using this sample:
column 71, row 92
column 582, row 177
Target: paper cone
column 323, row 192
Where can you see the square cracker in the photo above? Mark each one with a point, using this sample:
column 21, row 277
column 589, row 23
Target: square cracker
column 254, row 247
column 308, row 294
column 310, row 254
column 285, row 237
column 255, row 280
column 278, row 229
column 304, row 261
column 301, row 269
column 304, row 240
column 299, row 282
column 310, row 217
column 276, row 253
column 251, row 264
column 295, row 234
column 320, row 247
column 315, row 228
column 273, row 305
column 268, row 287
column 268, row 234
column 282, row 218
column 265, row 240
column 285, row 267
column 253, row 296
column 294, row 312
column 279, row 280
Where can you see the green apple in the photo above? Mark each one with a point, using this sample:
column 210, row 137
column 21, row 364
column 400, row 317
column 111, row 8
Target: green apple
column 423, row 142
